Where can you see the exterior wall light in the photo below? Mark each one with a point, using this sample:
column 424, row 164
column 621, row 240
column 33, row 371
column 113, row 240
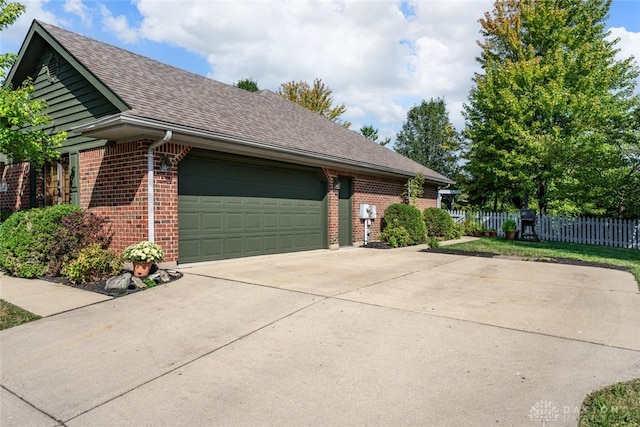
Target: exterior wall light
column 165, row 163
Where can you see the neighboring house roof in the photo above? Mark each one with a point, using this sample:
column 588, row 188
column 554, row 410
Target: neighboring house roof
column 153, row 94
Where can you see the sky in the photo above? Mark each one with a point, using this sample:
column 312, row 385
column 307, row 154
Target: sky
column 380, row 57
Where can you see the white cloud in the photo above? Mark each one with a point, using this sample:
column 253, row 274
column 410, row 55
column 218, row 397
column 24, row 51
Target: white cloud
column 629, row 45
column 77, row 7
column 378, row 61
column 13, row 35
column 118, row 25
column 380, row 57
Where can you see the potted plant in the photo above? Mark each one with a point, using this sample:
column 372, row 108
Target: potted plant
column 471, row 227
column 510, row 229
column 493, row 232
column 143, row 255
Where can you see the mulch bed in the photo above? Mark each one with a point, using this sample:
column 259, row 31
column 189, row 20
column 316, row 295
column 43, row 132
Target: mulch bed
column 377, row 245
column 98, row 286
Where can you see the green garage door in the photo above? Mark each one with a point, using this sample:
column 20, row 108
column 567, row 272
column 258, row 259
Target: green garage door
column 231, row 206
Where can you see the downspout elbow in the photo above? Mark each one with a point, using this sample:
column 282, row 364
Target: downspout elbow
column 150, row 185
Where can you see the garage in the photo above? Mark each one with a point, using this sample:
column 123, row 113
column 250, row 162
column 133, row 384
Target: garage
column 233, row 206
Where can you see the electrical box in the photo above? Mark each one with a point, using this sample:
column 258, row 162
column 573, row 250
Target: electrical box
column 368, row 211
column 364, row 211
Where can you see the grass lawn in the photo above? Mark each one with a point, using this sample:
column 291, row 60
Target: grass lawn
column 10, row 315
column 548, row 251
column 617, row 405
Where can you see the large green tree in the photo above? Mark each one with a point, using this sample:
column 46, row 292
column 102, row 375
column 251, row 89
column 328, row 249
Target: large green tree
column 428, row 137
column 551, row 116
column 23, row 134
column 371, row 133
column 316, row 97
column 248, row 84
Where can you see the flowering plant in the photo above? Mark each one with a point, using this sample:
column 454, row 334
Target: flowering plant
column 143, row 252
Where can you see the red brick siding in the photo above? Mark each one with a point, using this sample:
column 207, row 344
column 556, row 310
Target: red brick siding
column 372, row 190
column 17, row 195
column 113, row 184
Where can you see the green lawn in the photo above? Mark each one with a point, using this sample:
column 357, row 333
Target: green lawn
column 617, row 405
column 10, row 315
column 629, row 258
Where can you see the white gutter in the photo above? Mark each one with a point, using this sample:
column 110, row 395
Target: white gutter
column 318, row 159
column 150, row 186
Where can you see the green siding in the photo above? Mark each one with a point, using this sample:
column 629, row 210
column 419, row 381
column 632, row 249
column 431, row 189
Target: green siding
column 72, row 101
column 233, row 207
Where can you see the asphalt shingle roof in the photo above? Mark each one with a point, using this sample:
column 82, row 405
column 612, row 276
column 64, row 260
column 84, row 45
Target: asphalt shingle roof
column 161, row 92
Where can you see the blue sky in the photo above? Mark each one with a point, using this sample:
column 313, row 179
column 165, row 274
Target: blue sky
column 380, row 57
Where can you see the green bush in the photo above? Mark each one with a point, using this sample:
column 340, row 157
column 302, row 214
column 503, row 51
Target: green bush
column 439, row 224
column 509, row 225
column 396, row 235
column 470, row 226
column 400, row 216
column 27, row 237
column 77, row 231
column 93, row 264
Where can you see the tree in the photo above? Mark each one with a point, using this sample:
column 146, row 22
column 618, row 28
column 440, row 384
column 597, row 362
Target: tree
column 317, row 98
column 550, row 99
column 428, row 137
column 371, row 133
column 22, row 119
column 248, row 84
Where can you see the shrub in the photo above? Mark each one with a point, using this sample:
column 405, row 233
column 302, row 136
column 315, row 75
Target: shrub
column 401, row 216
column 440, row 224
column 27, row 237
column 509, row 225
column 78, row 230
column 93, row 264
column 396, row 235
column 470, row 226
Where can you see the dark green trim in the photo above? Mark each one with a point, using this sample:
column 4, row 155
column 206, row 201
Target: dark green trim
column 74, row 178
column 345, row 212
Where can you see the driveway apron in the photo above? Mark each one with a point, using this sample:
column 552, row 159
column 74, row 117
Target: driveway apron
column 354, row 336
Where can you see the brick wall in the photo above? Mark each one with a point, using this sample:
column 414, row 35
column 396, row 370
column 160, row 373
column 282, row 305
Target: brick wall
column 113, row 184
column 17, row 195
column 372, row 190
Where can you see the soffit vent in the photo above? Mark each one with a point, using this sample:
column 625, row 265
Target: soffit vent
column 52, row 66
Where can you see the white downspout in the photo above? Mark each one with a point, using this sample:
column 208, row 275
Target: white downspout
column 150, row 186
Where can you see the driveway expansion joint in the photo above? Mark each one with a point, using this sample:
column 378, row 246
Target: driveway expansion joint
column 195, row 359
column 60, row 422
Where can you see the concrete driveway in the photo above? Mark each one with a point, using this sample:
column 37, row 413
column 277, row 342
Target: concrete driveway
column 349, row 337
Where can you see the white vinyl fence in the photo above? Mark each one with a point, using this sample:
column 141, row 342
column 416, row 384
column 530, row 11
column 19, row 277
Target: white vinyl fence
column 622, row 233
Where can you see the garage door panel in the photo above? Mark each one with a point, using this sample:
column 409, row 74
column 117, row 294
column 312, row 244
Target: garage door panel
column 253, row 221
column 285, row 221
column 210, row 221
column 234, row 221
column 286, row 242
column 247, row 209
column 211, row 248
column 233, row 247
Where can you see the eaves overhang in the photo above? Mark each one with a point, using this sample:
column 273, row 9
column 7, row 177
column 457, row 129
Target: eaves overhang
column 126, row 127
